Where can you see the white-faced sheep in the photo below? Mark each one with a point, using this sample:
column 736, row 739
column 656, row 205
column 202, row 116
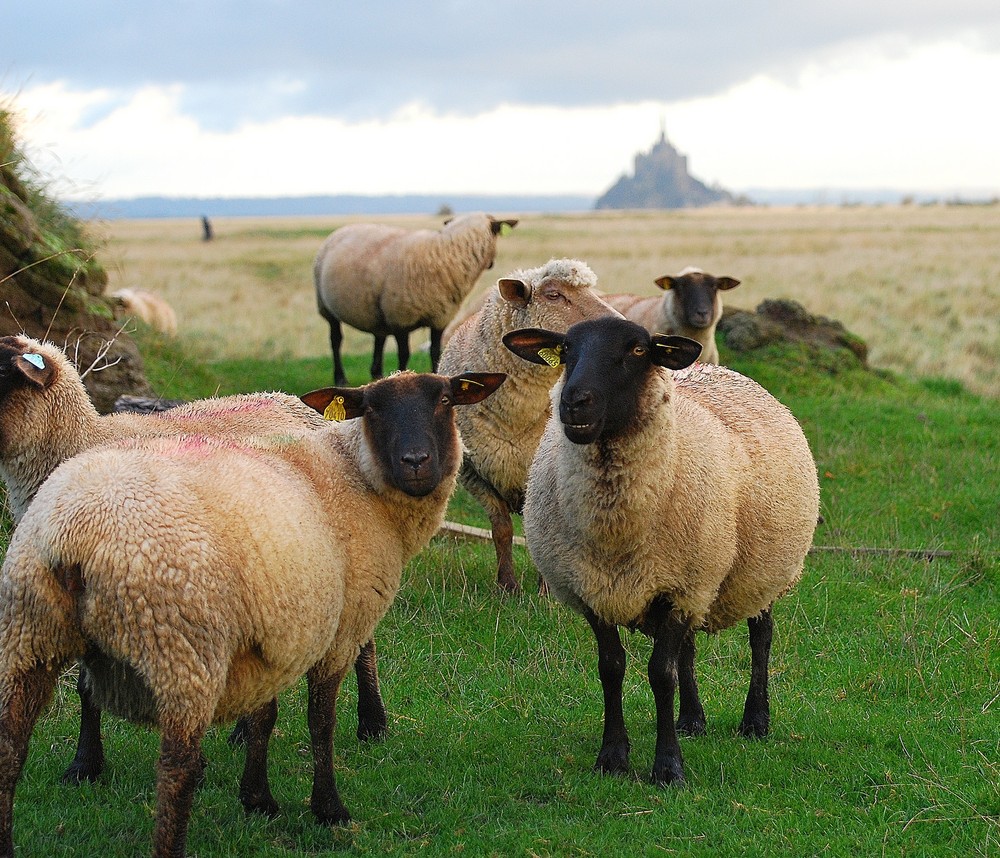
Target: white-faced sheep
column 667, row 504
column 387, row 280
column 156, row 562
column 46, row 416
column 501, row 433
column 690, row 306
column 148, row 307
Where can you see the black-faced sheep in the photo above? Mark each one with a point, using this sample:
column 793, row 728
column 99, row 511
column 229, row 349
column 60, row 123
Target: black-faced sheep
column 156, row 562
column 387, row 280
column 667, row 504
column 46, row 416
column 500, row 434
column 690, row 306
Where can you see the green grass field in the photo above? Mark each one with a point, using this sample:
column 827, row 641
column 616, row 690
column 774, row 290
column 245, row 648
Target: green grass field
column 885, row 734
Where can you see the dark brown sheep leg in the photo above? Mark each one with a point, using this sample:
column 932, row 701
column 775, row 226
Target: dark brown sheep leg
column 691, row 715
column 377, row 350
column 27, row 694
column 757, row 710
column 613, row 756
column 435, row 348
column 372, row 718
column 322, row 715
column 668, row 639
column 179, row 771
column 88, row 763
column 255, row 790
column 402, row 349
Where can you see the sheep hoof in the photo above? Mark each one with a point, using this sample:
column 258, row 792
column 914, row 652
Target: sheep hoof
column 372, row 728
column 80, row 771
column 265, row 805
column 755, row 728
column 613, row 759
column 669, row 774
column 335, row 814
column 508, row 584
column 691, row 727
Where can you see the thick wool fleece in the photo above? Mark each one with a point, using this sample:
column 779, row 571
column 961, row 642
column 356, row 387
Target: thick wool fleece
column 711, row 501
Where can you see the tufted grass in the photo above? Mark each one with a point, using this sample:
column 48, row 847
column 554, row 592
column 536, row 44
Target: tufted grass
column 885, row 735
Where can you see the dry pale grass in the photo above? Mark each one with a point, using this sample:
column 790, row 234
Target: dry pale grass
column 920, row 284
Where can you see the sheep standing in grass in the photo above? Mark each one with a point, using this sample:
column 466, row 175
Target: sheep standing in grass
column 666, row 504
column 690, row 306
column 500, row 434
column 156, row 563
column 387, row 280
column 148, row 307
column 46, row 416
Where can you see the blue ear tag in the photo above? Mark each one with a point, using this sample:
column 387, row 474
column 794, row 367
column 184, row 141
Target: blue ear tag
column 36, row 361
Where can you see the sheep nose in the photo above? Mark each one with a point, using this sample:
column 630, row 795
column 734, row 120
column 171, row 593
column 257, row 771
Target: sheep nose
column 416, row 459
column 578, row 398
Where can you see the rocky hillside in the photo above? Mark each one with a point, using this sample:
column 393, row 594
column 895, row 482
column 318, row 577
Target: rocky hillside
column 52, row 285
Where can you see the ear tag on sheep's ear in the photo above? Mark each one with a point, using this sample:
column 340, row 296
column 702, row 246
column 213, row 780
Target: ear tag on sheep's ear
column 506, row 229
column 468, row 382
column 552, row 356
column 335, row 410
column 36, row 361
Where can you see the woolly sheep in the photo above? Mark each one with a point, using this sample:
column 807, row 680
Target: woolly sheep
column 147, row 306
column 500, row 434
column 156, row 563
column 387, row 280
column 46, row 416
column 690, row 306
column 667, row 504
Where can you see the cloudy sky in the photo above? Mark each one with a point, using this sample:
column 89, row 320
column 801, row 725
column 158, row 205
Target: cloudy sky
column 293, row 97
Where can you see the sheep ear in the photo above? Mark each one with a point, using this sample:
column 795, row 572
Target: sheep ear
column 472, row 387
column 674, row 352
column 502, row 227
column 336, row 403
column 536, row 345
column 514, row 291
column 35, row 368
column 726, row 283
column 667, row 281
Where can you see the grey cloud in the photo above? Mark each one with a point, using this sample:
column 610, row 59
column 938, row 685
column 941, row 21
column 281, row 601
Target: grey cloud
column 366, row 60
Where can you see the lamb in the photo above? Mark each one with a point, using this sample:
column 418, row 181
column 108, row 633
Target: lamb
column 155, row 562
column 147, row 306
column 46, row 416
column 387, row 280
column 665, row 504
column 690, row 307
column 501, row 433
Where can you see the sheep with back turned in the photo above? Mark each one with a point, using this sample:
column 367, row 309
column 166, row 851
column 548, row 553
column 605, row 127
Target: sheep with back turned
column 46, row 417
column 156, row 563
column 669, row 504
column 690, row 306
column 388, row 280
column 501, row 433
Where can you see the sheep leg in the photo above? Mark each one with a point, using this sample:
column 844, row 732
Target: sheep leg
column 435, row 348
column 179, row 770
column 336, row 339
column 379, row 348
column 691, row 717
column 757, row 710
column 501, row 526
column 26, row 695
column 402, row 349
column 613, row 756
column 322, row 716
column 88, row 763
column 255, row 791
column 668, row 640
column 372, row 717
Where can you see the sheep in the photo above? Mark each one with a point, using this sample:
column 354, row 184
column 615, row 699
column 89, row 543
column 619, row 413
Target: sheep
column 46, row 416
column 387, row 280
column 150, row 308
column 156, row 562
column 501, row 433
column 665, row 504
column 690, row 306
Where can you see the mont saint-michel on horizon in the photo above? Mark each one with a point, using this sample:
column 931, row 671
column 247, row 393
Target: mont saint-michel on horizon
column 661, row 181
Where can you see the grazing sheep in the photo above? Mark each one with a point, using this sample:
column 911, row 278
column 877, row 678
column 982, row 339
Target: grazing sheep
column 666, row 504
column 386, row 280
column 46, row 416
column 501, row 433
column 691, row 307
column 150, row 308
column 156, row 562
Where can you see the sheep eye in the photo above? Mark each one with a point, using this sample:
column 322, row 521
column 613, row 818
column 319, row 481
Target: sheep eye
column 446, row 400
column 553, row 296
column 640, row 351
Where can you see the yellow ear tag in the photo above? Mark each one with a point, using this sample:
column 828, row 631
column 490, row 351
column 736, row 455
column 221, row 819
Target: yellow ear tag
column 505, row 229
column 468, row 382
column 551, row 356
column 335, row 410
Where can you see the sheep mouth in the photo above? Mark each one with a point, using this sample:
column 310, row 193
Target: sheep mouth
column 417, row 486
column 582, row 433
